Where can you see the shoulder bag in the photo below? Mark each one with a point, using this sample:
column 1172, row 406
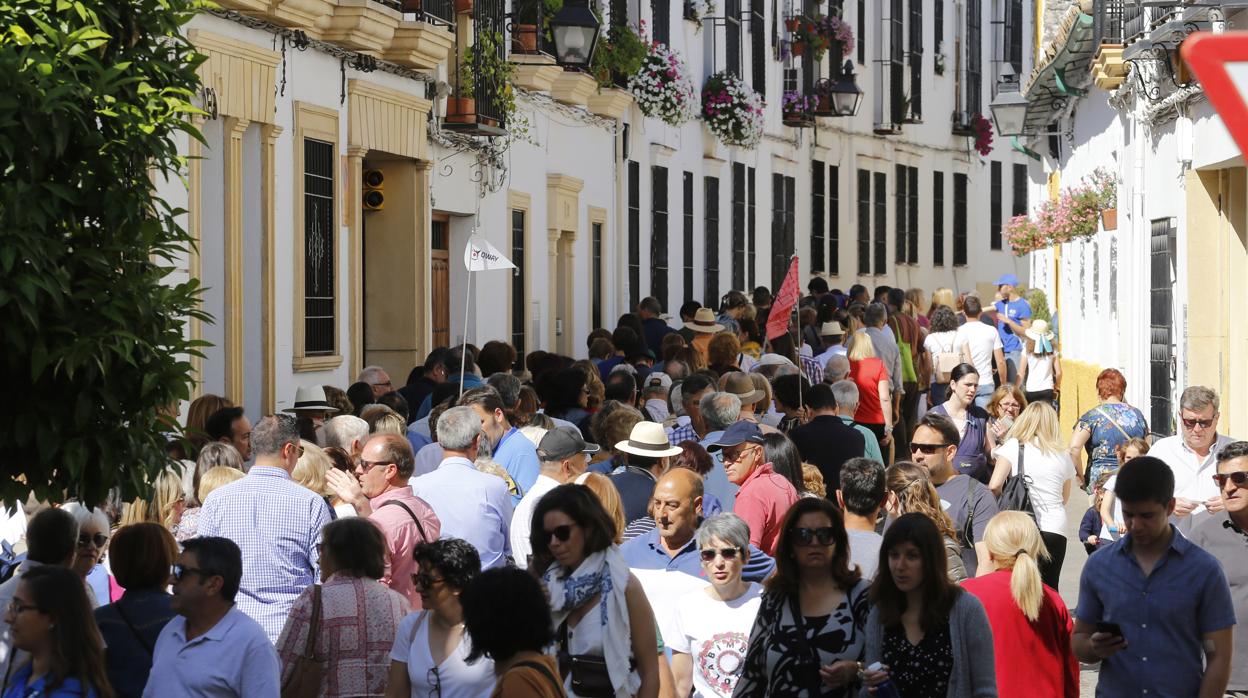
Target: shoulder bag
column 1016, row 492
column 410, row 513
column 309, row 674
column 946, row 361
column 590, row 678
column 557, row 688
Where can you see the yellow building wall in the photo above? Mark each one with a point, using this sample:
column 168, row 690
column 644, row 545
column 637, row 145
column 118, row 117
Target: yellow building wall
column 1217, row 273
column 1078, row 392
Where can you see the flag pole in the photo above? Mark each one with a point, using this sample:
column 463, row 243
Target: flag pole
column 797, row 340
column 463, row 360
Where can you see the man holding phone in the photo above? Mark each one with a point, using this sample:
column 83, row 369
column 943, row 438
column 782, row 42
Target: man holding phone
column 1225, row 536
column 1154, row 608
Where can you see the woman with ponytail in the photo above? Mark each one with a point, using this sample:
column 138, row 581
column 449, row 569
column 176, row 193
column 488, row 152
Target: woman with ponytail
column 1030, row 624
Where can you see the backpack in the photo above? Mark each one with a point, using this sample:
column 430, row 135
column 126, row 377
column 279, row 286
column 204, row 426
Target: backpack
column 1016, row 493
column 945, row 362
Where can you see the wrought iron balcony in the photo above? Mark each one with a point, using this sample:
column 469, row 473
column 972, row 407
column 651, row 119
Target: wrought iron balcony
column 1108, row 21
column 432, row 11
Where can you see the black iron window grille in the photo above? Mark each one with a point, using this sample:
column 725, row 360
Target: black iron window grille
column 915, row 60
column 710, row 291
column 880, row 241
column 818, row 223
column 318, row 248
column 634, row 233
column 661, row 15
column 1161, row 326
column 658, row 234
column 518, row 299
column 960, row 183
column 994, row 206
column 864, row 223
column 834, row 220
column 973, row 78
column 738, row 226
column 686, row 212
column 758, row 47
column 783, row 198
column 912, row 240
column 1107, row 21
column 595, row 275
column 751, row 223
column 902, row 219
column 1019, row 205
column 938, row 219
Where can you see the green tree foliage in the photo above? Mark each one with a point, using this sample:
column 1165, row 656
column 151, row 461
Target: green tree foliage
column 93, row 94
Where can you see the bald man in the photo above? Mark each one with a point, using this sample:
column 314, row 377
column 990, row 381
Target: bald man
column 666, row 560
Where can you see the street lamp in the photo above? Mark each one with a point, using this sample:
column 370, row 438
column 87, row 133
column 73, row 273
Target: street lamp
column 846, row 96
column 1009, row 109
column 575, row 31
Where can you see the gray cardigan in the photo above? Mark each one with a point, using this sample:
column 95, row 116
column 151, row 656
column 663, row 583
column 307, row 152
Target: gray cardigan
column 974, row 671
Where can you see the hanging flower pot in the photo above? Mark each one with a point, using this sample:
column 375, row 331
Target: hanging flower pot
column 461, row 110
column 1109, row 219
column 524, row 38
column 791, row 24
column 799, row 48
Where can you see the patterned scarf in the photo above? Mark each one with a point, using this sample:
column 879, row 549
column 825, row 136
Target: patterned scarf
column 603, row 573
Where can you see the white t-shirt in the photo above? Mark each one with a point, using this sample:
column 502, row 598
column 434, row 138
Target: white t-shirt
column 864, row 551
column 1105, row 532
column 521, row 519
column 1039, row 373
column 716, row 634
column 458, row 679
column 981, row 340
column 1048, row 473
column 938, row 343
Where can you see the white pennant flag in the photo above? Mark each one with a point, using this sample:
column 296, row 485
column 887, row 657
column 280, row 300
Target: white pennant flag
column 480, row 255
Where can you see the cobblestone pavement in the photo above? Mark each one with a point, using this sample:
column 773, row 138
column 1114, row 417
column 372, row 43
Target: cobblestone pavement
column 1071, row 567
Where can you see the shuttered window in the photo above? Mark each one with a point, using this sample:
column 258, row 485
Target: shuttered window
column 818, row 224
column 658, row 234
column 318, row 245
column 710, row 292
column 959, row 219
column 938, row 219
column 634, row 234
column 687, row 237
column 994, row 206
column 864, row 223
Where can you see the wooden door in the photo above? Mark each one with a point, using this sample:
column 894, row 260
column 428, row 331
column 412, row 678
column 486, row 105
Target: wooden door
column 440, row 266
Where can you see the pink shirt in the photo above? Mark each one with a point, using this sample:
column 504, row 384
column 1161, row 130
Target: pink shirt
column 763, row 500
column 402, row 535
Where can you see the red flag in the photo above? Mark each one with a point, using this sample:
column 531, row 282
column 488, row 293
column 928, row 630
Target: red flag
column 783, row 304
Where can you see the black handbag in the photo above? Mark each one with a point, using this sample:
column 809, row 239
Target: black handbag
column 590, row 678
column 1016, row 492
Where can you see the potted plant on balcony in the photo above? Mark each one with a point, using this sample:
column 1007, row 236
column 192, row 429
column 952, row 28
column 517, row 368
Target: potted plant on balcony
column 733, row 111
column 798, row 109
column 532, row 20
column 663, row 88
column 462, row 107
column 484, row 64
column 619, row 55
column 1103, row 185
column 807, row 38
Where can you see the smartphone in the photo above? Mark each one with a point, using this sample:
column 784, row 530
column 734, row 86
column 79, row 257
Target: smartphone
column 1111, row 628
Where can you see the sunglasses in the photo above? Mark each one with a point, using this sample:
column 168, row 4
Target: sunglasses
column 709, row 554
column 563, row 533
column 99, row 539
column 1202, row 423
column 805, row 536
column 180, row 571
column 1240, row 478
column 424, row 580
column 927, row 449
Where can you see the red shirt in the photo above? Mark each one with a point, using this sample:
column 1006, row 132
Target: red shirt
column 1033, row 660
column 762, row 501
column 867, row 374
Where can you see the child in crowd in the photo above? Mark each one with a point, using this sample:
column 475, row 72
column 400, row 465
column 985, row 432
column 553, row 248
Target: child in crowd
column 1090, row 527
column 1111, row 510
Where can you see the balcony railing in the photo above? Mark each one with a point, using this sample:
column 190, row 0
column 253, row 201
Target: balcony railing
column 431, row 11
column 1107, row 22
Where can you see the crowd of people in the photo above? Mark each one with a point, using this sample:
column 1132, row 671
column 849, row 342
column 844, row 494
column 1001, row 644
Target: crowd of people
column 872, row 503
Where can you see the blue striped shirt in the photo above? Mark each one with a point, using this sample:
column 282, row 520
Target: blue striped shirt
column 277, row 524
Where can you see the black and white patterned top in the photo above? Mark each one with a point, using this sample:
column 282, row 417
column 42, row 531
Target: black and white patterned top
column 922, row 670
column 784, row 657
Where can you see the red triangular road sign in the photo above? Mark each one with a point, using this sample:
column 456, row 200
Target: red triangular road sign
column 1220, row 62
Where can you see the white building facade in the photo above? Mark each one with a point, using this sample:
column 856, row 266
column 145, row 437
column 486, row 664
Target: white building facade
column 332, row 203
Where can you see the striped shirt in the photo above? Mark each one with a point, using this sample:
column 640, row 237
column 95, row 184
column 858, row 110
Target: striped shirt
column 277, row 524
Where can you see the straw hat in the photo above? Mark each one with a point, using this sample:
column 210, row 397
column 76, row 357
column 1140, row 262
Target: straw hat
column 648, row 439
column 704, row 321
column 1039, row 330
column 831, row 329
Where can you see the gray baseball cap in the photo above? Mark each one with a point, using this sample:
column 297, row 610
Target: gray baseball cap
column 562, row 442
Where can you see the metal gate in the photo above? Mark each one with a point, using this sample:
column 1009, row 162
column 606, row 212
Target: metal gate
column 1161, row 326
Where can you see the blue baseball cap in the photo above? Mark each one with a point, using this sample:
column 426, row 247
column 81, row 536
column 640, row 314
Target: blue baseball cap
column 737, row 434
column 1007, row 279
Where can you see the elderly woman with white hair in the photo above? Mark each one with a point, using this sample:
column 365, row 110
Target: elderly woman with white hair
column 715, row 621
column 93, row 535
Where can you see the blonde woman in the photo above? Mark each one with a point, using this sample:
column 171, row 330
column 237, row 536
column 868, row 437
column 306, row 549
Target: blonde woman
column 208, row 481
column 909, row 491
column 1034, row 445
column 875, row 391
column 1030, row 623
column 312, row 470
column 215, row 479
column 942, row 296
column 166, row 506
column 383, row 420
column 914, row 302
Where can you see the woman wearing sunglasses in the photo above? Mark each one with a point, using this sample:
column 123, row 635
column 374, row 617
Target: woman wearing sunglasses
column 351, row 615
column 50, row 617
column 715, row 622
column 430, row 655
column 931, row 638
column 909, row 491
column 809, row 635
column 604, row 627
column 93, row 530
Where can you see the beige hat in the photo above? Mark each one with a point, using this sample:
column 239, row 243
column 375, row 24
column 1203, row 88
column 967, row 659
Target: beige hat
column 648, row 439
column 740, row 385
column 704, row 321
column 310, row 399
column 831, row 329
column 1039, row 330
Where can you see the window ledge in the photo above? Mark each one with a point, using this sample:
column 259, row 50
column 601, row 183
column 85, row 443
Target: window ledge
column 304, row 364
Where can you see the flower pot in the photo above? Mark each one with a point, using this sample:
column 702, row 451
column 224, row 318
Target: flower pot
column 1109, row 219
column 824, row 106
column 791, row 24
column 461, row 110
column 524, row 38
column 410, row 5
column 799, row 48
column 463, row 6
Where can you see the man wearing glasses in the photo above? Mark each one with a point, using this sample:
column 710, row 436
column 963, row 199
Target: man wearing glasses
column 1192, row 455
column 212, row 648
column 1225, row 536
